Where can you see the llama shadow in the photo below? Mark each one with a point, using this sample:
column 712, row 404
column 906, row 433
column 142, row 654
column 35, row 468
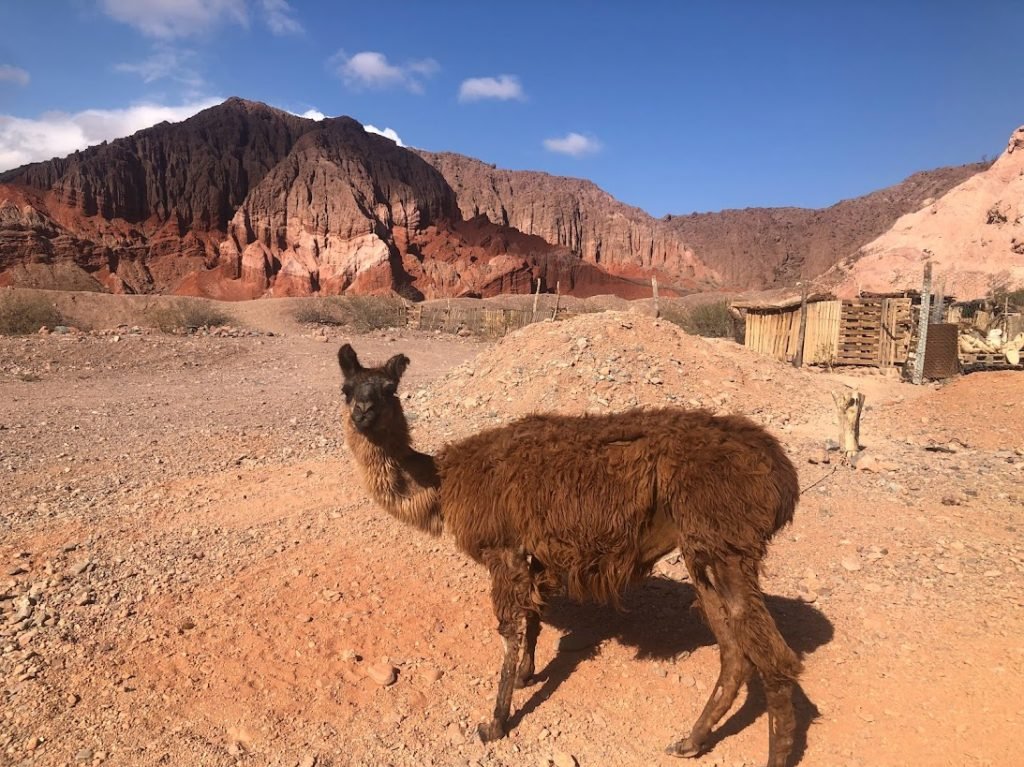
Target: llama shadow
column 661, row 621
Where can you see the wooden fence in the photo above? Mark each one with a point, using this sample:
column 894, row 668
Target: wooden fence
column 492, row 323
column 863, row 332
column 777, row 333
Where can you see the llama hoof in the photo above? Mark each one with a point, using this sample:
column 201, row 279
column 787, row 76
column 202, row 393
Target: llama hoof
column 525, row 681
column 491, row 731
column 684, row 748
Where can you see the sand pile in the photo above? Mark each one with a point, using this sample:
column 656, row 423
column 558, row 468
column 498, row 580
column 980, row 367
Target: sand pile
column 613, row 361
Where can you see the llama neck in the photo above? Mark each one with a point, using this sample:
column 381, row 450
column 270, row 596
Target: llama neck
column 401, row 480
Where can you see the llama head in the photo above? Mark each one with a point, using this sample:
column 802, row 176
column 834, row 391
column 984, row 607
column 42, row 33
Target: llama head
column 370, row 393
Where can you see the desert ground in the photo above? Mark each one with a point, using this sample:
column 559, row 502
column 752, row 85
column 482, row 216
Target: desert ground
column 192, row 574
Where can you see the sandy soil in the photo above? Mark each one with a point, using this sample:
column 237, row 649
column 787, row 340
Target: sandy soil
column 191, row 574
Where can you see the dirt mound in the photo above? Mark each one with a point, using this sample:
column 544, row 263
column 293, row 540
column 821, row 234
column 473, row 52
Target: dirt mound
column 612, row 361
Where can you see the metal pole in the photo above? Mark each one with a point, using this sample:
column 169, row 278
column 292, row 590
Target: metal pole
column 922, row 327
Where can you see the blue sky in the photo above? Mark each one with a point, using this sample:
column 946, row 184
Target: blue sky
column 670, row 106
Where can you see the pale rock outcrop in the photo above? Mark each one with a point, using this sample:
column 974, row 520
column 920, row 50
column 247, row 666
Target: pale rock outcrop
column 973, row 235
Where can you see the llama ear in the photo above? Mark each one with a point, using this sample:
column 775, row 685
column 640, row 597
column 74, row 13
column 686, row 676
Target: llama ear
column 395, row 366
column 348, row 361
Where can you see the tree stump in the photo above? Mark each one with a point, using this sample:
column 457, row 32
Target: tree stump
column 849, row 405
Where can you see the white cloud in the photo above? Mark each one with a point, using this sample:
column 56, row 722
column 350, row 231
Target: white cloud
column 176, row 18
column 278, row 15
column 16, row 75
column 313, row 114
column 370, row 69
column 502, row 87
column 386, row 133
column 55, row 134
column 166, row 63
column 575, row 144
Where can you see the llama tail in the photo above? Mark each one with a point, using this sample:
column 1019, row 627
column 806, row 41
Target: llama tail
column 787, row 488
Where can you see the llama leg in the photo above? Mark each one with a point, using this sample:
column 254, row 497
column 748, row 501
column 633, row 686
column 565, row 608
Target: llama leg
column 764, row 646
column 524, row 677
column 735, row 668
column 510, row 595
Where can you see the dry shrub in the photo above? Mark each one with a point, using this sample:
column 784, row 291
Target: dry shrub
column 21, row 313
column 712, row 320
column 186, row 314
column 360, row 313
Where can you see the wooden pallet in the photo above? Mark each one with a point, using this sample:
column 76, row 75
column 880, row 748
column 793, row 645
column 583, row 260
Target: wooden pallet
column 860, row 333
column 986, row 360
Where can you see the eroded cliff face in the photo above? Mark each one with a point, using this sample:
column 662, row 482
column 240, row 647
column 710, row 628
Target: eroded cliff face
column 577, row 215
column 148, row 209
column 195, row 173
column 243, row 200
column 334, row 214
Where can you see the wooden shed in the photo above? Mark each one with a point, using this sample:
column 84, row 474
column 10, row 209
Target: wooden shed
column 873, row 330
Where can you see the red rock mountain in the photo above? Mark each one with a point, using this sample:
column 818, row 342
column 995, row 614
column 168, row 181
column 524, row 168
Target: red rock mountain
column 243, row 200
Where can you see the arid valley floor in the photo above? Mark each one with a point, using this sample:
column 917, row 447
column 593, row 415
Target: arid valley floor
column 191, row 573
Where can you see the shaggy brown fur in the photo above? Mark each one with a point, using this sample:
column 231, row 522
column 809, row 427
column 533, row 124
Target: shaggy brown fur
column 594, row 502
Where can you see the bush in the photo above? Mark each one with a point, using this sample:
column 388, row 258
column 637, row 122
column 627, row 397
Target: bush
column 711, row 320
column 186, row 314
column 361, row 313
column 21, row 313
column 320, row 311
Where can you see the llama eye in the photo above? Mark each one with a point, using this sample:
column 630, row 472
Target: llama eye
column 347, row 391
column 390, row 388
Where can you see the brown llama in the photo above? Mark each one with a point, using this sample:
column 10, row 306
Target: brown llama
column 592, row 502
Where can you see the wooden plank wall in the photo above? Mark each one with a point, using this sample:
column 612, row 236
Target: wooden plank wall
column 821, row 343
column 777, row 333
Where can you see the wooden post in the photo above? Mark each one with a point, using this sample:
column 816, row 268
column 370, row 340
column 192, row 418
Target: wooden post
column 558, row 298
column 922, row 323
column 798, row 358
column 940, row 300
column 849, row 405
column 536, row 296
column 654, row 289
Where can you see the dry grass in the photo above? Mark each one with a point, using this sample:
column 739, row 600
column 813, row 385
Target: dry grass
column 22, row 314
column 187, row 314
column 360, row 313
column 711, row 320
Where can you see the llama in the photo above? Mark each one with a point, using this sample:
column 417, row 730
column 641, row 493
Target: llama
column 591, row 503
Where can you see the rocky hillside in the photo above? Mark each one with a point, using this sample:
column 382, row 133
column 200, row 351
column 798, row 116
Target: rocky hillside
column 973, row 235
column 575, row 214
column 139, row 213
column 771, row 247
column 243, row 200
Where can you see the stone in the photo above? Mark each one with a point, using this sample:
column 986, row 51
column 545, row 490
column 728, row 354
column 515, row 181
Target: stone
column 850, row 563
column 431, row 674
column 564, row 759
column 382, row 673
